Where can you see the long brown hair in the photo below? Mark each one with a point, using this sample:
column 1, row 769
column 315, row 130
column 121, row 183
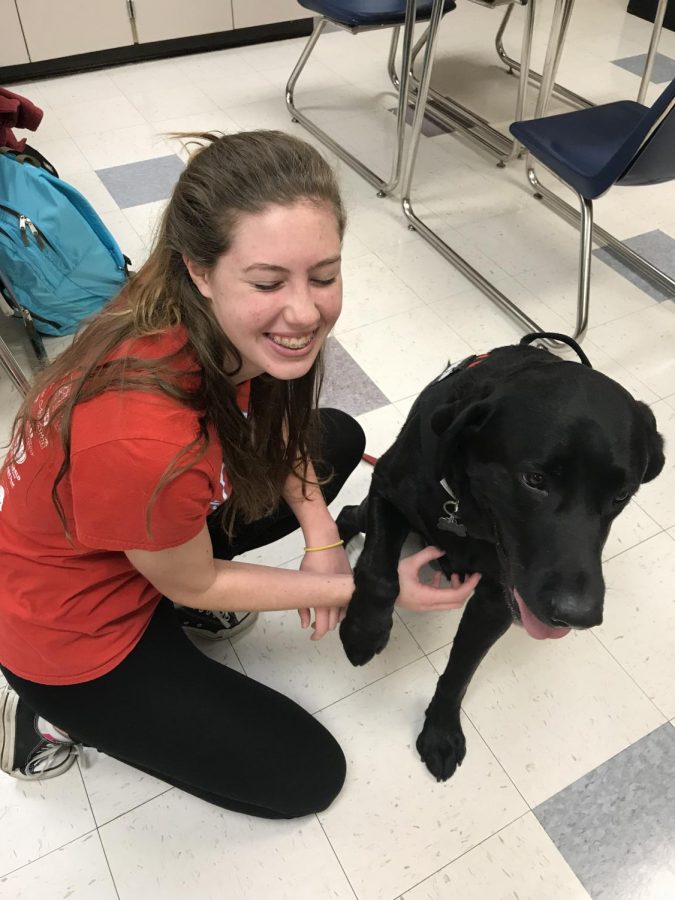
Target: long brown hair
column 227, row 176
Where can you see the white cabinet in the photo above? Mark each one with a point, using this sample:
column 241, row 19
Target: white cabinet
column 55, row 28
column 13, row 47
column 264, row 12
column 161, row 20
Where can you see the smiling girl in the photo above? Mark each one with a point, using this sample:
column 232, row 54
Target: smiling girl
column 177, row 432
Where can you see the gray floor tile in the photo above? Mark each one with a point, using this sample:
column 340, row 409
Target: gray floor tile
column 662, row 72
column 429, row 128
column 657, row 247
column 346, row 386
column 142, row 182
column 616, row 825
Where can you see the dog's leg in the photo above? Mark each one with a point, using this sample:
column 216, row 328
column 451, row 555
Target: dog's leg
column 365, row 629
column 352, row 520
column 441, row 742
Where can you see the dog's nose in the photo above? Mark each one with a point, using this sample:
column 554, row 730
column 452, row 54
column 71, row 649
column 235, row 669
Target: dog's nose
column 575, row 612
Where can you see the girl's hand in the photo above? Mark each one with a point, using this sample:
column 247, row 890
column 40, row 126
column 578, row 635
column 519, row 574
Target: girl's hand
column 420, row 597
column 324, row 562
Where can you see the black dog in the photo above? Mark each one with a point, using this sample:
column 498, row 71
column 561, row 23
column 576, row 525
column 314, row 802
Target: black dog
column 515, row 464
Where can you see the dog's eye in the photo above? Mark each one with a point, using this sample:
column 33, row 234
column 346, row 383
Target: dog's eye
column 534, row 480
column 621, row 498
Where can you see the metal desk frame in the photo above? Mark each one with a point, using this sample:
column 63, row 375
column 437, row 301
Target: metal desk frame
column 562, row 14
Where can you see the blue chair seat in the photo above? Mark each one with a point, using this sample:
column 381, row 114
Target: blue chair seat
column 589, row 149
column 363, row 13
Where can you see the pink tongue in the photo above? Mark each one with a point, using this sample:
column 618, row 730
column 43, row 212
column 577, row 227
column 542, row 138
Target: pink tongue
column 534, row 626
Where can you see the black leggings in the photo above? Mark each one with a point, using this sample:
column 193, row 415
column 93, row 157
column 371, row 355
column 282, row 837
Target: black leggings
column 172, row 712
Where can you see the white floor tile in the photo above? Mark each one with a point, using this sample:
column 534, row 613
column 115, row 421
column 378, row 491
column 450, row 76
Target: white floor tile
column 551, row 711
column 85, row 117
column 78, row 871
column 372, row 292
column 611, row 295
column 640, row 620
column 121, row 146
column 177, row 846
column 66, row 156
column 393, row 824
column 631, row 528
column 91, row 186
column 521, row 862
column 315, row 674
column 41, row 816
column 145, row 219
column 403, row 353
column 158, row 103
column 114, row 788
column 645, row 349
column 657, row 497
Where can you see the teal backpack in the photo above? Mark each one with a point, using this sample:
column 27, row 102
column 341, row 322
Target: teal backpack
column 59, row 263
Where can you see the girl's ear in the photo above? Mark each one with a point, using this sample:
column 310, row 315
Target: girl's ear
column 199, row 276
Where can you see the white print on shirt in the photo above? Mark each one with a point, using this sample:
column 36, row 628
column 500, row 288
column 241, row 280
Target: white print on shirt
column 214, row 504
column 21, row 451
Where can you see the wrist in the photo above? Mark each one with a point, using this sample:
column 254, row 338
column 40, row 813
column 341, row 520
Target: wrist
column 319, row 534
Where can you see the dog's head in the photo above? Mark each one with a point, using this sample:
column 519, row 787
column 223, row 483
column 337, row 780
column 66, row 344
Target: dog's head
column 550, row 458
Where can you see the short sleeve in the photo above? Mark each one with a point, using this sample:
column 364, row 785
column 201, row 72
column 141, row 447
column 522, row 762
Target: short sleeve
column 113, row 483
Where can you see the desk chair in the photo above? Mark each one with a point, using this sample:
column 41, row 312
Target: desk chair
column 357, row 16
column 590, row 150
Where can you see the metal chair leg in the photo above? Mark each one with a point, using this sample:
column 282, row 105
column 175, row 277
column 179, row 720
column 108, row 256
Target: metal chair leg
column 645, row 268
column 383, row 187
column 416, row 223
column 12, row 368
column 585, row 257
column 651, row 53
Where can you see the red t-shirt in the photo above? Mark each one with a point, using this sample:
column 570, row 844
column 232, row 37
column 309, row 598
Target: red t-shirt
column 71, row 612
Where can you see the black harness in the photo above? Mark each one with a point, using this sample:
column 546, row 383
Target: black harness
column 450, row 519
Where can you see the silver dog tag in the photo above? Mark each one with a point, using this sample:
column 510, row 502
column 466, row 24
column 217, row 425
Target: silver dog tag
column 450, row 521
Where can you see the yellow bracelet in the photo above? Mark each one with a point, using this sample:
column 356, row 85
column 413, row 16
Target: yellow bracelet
column 327, row 547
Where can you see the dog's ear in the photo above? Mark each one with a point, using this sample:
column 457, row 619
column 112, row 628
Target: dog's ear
column 654, row 443
column 450, row 423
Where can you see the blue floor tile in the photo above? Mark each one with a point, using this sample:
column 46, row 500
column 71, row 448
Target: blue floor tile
column 615, row 827
column 142, row 182
column 346, row 386
column 662, row 72
column 657, row 247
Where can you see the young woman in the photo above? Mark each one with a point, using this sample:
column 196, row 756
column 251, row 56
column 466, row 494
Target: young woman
column 179, row 431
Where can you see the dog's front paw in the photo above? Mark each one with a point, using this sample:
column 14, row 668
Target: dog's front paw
column 442, row 749
column 362, row 640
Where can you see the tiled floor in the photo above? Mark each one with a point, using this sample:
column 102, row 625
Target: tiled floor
column 567, row 790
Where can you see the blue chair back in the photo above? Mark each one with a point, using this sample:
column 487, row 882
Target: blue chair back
column 654, row 161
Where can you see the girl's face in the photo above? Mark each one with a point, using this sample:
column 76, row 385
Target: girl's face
column 277, row 292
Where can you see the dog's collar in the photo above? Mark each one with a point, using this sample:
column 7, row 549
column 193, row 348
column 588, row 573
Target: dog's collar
column 451, row 521
column 467, row 363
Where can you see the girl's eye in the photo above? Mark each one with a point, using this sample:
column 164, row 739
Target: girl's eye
column 325, row 282
column 267, row 286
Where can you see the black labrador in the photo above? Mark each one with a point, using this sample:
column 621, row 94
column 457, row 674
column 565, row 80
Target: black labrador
column 515, row 463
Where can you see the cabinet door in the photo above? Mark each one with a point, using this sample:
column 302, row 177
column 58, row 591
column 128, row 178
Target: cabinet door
column 160, row 20
column 55, row 28
column 264, row 12
column 13, row 51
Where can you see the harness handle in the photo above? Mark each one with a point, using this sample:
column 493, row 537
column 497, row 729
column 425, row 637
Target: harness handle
column 562, row 338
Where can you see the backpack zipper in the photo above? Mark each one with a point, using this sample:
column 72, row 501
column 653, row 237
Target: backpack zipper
column 26, row 223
